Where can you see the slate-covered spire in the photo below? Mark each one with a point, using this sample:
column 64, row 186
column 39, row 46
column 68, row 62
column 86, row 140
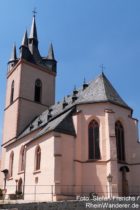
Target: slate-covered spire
column 24, row 49
column 25, row 40
column 64, row 103
column 33, row 32
column 51, row 53
column 33, row 43
column 13, row 59
column 85, row 84
column 13, row 54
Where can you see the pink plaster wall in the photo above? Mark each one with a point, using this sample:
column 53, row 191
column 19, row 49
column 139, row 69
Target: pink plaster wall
column 64, row 158
column 24, row 76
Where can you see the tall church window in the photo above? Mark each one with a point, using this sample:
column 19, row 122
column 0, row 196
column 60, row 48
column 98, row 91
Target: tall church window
column 37, row 158
column 20, row 186
column 11, row 162
column 22, row 159
column 12, row 93
column 119, row 131
column 38, row 90
column 93, row 141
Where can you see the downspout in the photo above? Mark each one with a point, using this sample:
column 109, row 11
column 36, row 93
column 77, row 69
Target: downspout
column 25, row 147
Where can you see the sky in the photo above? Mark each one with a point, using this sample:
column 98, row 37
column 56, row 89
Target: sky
column 85, row 34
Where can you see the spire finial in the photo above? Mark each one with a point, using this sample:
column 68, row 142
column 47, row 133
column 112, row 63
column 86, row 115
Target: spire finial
column 34, row 12
column 64, row 100
column 102, row 68
column 75, row 91
column 85, row 83
column 64, row 103
column 33, row 32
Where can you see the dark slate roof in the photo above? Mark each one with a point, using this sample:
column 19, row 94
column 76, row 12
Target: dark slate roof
column 13, row 54
column 62, row 124
column 101, row 90
column 29, row 51
column 51, row 53
column 25, row 39
column 98, row 90
column 33, row 32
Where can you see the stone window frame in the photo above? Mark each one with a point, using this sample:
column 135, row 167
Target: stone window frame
column 38, row 91
column 12, row 92
column 11, row 164
column 120, row 141
column 22, row 159
column 94, row 140
column 37, row 158
column 20, row 186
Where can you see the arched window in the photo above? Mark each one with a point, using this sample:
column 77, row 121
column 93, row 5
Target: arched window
column 12, row 93
column 119, row 131
column 37, row 158
column 38, row 90
column 11, row 162
column 93, row 141
column 22, row 159
column 20, row 186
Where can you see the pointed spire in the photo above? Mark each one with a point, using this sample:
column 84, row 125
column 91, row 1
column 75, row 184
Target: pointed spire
column 85, row 84
column 50, row 113
column 25, row 40
column 51, row 53
column 33, row 32
column 74, row 96
column 75, row 91
column 13, row 54
column 24, row 49
column 33, row 42
column 64, row 103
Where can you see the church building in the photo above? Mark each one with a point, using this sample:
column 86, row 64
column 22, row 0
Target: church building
column 87, row 143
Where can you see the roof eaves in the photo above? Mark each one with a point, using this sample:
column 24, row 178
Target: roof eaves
column 105, row 101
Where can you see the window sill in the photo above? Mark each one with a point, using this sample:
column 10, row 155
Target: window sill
column 37, row 172
column 93, row 160
column 20, row 172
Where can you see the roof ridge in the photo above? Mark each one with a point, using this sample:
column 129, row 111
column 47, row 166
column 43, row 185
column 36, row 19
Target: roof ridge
column 102, row 75
column 115, row 92
column 100, row 90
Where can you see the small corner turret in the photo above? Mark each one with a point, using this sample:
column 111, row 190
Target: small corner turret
column 13, row 59
column 50, row 61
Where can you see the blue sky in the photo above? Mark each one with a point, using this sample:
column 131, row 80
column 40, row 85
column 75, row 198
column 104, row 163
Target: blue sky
column 85, row 34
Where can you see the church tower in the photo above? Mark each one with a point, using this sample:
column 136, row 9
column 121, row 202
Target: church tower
column 30, row 85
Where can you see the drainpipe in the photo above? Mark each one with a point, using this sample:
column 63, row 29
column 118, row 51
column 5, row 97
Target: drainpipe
column 25, row 147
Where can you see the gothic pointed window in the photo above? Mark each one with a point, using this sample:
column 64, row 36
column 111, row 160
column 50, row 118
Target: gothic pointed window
column 119, row 131
column 38, row 90
column 11, row 162
column 93, row 141
column 20, row 186
column 37, row 158
column 12, row 93
column 22, row 159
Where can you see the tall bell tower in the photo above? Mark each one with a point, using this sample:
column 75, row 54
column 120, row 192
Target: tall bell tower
column 30, row 85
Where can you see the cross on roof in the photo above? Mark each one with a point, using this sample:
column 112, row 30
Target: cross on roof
column 34, row 12
column 102, row 67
